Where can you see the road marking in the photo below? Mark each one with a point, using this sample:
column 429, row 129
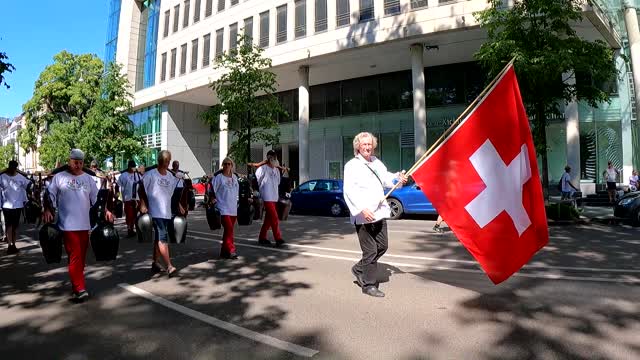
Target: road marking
column 550, row 267
column 235, row 329
column 429, row 267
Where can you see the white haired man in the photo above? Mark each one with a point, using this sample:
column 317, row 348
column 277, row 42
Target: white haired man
column 365, row 178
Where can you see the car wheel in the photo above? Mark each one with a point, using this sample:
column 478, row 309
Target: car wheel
column 396, row 208
column 336, row 209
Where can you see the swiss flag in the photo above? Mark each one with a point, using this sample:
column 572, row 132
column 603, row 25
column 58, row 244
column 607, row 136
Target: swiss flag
column 483, row 180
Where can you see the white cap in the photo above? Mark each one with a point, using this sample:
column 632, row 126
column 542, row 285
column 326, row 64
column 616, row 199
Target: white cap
column 76, row 154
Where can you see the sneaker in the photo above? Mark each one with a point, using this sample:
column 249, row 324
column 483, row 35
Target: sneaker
column 372, row 291
column 264, row 242
column 438, row 229
column 233, row 256
column 80, row 296
column 279, row 243
column 12, row 249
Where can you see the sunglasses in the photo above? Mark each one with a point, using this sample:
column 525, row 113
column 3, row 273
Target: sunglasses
column 223, row 164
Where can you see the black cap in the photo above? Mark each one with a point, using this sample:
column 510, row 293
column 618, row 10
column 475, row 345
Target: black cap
column 271, row 153
column 131, row 164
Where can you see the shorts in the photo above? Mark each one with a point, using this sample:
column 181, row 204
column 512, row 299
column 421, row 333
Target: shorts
column 12, row 216
column 611, row 185
column 161, row 227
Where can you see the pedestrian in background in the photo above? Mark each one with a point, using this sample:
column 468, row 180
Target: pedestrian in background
column 226, row 188
column 14, row 195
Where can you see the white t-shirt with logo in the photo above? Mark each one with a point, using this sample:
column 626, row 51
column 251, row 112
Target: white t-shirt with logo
column 611, row 174
column 226, row 190
column 14, row 193
column 73, row 196
column 126, row 181
column 268, row 181
column 159, row 189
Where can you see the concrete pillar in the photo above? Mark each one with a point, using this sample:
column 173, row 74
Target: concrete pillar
column 303, row 124
column 572, row 123
column 633, row 34
column 223, row 139
column 419, row 100
column 285, row 155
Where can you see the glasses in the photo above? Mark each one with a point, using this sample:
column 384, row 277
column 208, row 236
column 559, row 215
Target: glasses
column 223, row 164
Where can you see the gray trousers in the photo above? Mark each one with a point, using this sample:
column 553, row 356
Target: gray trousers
column 374, row 243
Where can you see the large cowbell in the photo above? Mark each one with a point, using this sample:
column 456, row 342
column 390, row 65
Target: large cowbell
column 144, row 227
column 178, row 229
column 105, row 242
column 213, row 217
column 51, row 243
column 245, row 207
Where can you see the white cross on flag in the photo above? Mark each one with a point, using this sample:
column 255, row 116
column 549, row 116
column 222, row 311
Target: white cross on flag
column 483, row 180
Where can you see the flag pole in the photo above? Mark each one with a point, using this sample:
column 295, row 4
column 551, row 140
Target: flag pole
column 454, row 125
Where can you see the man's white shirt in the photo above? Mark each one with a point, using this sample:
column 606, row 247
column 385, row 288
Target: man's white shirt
column 14, row 190
column 159, row 189
column 73, row 196
column 363, row 189
column 268, row 181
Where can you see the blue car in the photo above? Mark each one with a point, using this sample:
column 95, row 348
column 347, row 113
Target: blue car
column 409, row 199
column 319, row 196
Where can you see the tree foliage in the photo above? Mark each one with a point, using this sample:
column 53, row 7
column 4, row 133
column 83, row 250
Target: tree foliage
column 5, row 66
column 245, row 94
column 553, row 63
column 77, row 102
column 7, row 153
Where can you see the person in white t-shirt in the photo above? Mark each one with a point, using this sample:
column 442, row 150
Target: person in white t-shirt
column 14, row 196
column 226, row 188
column 268, row 177
column 611, row 175
column 127, row 183
column 94, row 167
column 72, row 193
column 633, row 181
column 159, row 184
column 567, row 188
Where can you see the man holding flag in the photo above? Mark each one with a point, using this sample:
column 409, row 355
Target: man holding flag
column 365, row 178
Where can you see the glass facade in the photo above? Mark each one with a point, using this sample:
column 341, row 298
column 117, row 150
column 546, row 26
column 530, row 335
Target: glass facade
column 112, row 31
column 147, row 44
column 147, row 124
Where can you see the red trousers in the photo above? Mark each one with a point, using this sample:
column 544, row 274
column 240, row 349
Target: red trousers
column 270, row 221
column 75, row 244
column 130, row 210
column 227, row 235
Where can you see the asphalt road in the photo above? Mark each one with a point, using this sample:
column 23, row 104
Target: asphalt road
column 578, row 298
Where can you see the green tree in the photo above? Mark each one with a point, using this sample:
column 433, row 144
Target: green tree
column 549, row 55
column 7, row 153
column 5, row 66
column 78, row 103
column 246, row 95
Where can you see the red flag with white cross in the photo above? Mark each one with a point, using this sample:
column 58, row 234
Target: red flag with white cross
column 483, row 180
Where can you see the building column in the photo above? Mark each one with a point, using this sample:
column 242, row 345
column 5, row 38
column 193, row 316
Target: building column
column 633, row 34
column 572, row 123
column 223, row 139
column 419, row 100
column 303, row 124
column 285, row 155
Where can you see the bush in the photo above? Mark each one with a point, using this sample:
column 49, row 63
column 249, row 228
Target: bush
column 561, row 211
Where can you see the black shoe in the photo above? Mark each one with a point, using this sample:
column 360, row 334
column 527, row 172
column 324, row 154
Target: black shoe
column 155, row 268
column 264, row 242
column 12, row 249
column 80, row 296
column 358, row 276
column 438, row 229
column 279, row 243
column 233, row 256
column 131, row 233
column 372, row 291
column 171, row 272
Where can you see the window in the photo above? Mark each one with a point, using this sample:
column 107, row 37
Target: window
column 366, row 10
column 301, row 18
column 174, row 54
column 264, row 29
column 333, row 92
column 281, row 24
column 418, row 3
column 323, row 185
column 321, row 15
column 208, row 8
column 233, row 38
column 206, row 50
column 234, row 2
column 220, row 5
column 342, row 13
column 391, row 7
column 396, row 91
column 183, row 59
column 176, row 17
column 351, row 97
column 219, row 42
column 194, row 55
column 316, row 102
column 196, row 11
column 185, row 17
column 165, row 32
column 163, row 70
column 308, row 186
column 248, row 31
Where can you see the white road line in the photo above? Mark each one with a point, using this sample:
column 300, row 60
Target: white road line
column 549, row 267
column 235, row 329
column 428, row 267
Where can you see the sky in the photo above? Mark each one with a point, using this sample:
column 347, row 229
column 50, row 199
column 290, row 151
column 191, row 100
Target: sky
column 32, row 32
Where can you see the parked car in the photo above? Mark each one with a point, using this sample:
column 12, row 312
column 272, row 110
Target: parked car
column 319, row 196
column 409, row 199
column 628, row 207
column 200, row 185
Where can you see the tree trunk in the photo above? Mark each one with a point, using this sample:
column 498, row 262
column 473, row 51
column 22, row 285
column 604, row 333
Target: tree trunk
column 248, row 148
column 541, row 138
